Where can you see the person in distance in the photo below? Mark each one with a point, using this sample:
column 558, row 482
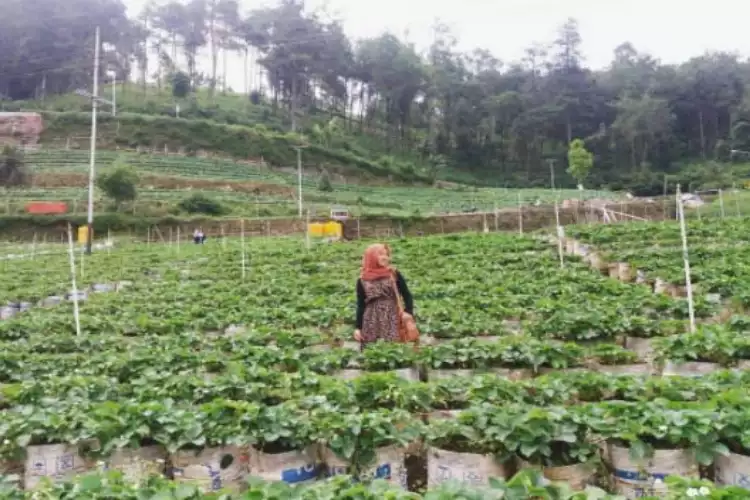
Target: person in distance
column 379, row 289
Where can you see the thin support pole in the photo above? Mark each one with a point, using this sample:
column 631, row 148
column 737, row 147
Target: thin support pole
column 520, row 215
column 688, row 282
column 71, row 257
column 92, row 153
column 242, row 244
column 560, row 236
column 299, row 181
column 721, row 203
column 736, row 199
column 307, row 230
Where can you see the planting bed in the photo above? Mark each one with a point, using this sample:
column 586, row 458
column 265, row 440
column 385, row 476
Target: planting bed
column 205, row 376
column 717, row 249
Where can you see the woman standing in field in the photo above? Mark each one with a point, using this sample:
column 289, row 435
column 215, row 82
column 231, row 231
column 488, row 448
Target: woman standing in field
column 378, row 289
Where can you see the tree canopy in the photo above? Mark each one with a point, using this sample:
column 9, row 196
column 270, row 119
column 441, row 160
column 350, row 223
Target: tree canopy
column 503, row 120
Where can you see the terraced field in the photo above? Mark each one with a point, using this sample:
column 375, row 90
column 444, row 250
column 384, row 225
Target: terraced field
column 254, row 191
column 201, row 374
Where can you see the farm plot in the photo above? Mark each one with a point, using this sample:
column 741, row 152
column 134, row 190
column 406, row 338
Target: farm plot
column 206, row 376
column 31, row 275
column 467, row 285
column 717, row 250
column 403, row 200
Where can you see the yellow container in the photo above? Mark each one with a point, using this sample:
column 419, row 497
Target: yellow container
column 332, row 230
column 83, row 233
column 316, row 229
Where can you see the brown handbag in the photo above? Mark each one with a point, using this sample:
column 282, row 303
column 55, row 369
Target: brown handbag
column 407, row 327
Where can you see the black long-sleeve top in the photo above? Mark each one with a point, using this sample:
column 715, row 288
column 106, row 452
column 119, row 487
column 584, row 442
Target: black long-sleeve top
column 403, row 290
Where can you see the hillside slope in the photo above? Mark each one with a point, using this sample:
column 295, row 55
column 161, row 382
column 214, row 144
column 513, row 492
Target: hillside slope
column 232, row 126
column 246, row 189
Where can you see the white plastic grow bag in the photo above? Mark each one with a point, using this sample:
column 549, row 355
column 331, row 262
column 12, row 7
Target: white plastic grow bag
column 56, row 462
column 410, row 374
column 638, row 479
column 632, row 369
column 292, row 467
column 138, row 464
column 641, row 346
column 211, row 469
column 624, row 272
column 389, row 465
column 577, row 476
column 733, row 470
column 690, row 368
column 469, row 468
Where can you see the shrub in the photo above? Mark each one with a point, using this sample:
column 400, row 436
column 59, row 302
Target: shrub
column 200, row 204
column 13, row 170
column 120, row 185
column 325, row 183
column 180, row 84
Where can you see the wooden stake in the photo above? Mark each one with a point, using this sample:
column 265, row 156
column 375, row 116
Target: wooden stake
column 72, row 259
column 688, row 282
column 307, row 230
column 520, row 215
column 242, row 243
column 560, row 236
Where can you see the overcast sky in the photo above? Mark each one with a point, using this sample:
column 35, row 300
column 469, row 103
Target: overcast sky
column 671, row 30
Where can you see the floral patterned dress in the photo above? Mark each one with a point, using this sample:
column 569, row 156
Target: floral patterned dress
column 380, row 318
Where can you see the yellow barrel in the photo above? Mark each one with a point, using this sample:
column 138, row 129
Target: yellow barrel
column 332, row 229
column 316, row 229
column 83, row 233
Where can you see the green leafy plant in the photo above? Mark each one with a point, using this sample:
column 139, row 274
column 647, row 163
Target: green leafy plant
column 120, row 184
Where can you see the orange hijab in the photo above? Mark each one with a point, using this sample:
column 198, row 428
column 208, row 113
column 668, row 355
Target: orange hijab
column 371, row 268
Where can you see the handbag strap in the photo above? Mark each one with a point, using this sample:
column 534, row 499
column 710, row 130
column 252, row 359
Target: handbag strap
column 399, row 300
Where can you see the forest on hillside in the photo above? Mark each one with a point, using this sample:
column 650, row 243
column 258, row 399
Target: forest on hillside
column 507, row 120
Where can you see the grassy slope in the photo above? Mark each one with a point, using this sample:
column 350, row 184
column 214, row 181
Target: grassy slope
column 230, row 125
column 252, row 191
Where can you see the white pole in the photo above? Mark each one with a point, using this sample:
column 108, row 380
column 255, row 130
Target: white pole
column 92, row 159
column 307, row 230
column 114, row 95
column 721, row 203
column 33, row 247
column 148, row 236
column 688, row 283
column 560, row 236
column 72, row 259
column 109, row 241
column 178, row 239
column 551, row 163
column 520, row 215
column 299, row 181
column 735, row 193
column 242, row 244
